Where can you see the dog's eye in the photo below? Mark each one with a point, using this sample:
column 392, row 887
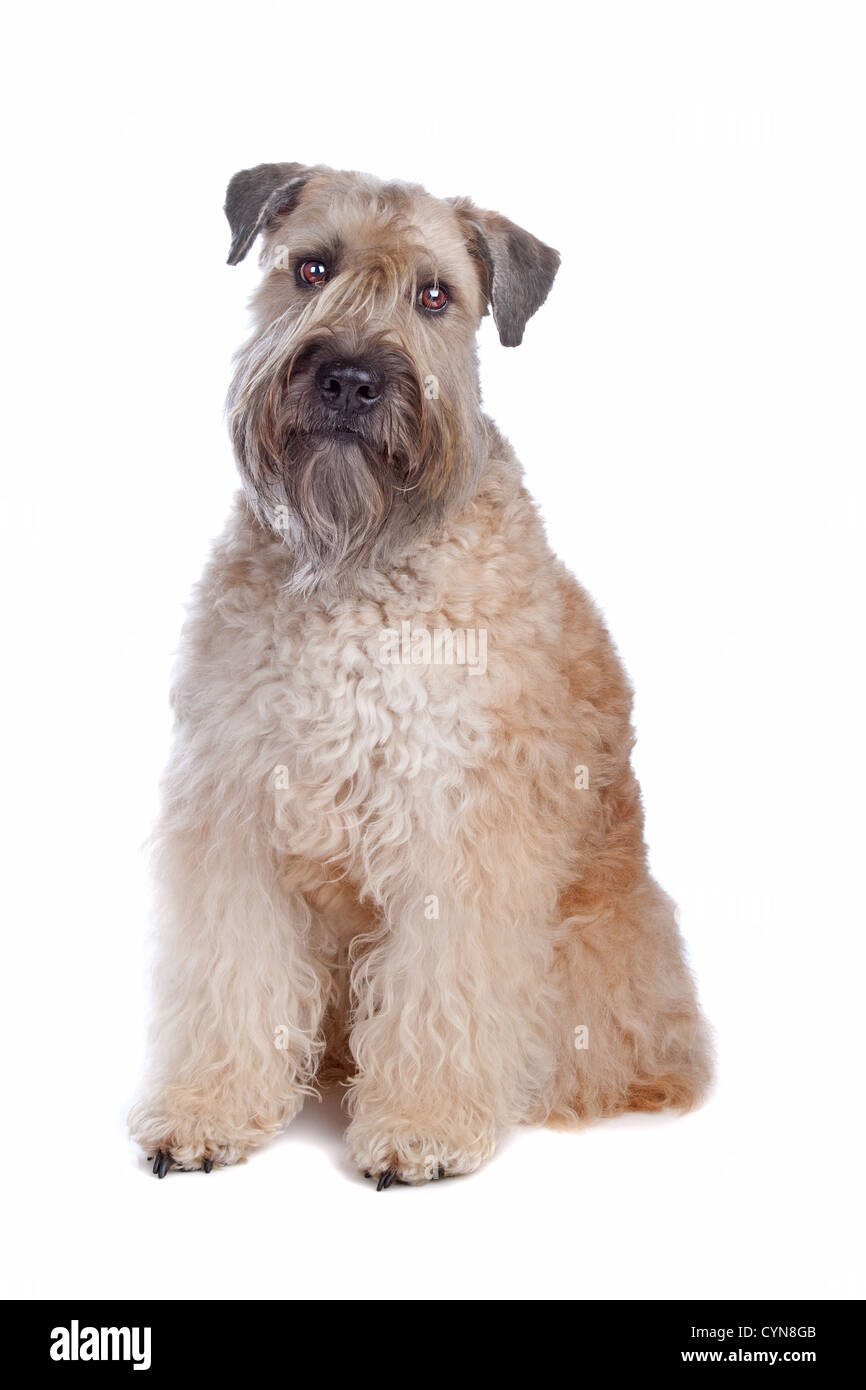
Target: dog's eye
column 433, row 298
column 313, row 272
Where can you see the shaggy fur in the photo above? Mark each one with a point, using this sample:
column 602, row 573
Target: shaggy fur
column 417, row 876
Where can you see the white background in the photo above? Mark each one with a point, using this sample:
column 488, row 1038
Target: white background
column 689, row 410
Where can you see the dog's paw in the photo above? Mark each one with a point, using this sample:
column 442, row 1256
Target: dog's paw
column 191, row 1154
column 164, row 1159
column 401, row 1154
column 390, row 1175
column 197, row 1140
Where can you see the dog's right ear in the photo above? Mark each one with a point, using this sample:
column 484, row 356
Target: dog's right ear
column 255, row 195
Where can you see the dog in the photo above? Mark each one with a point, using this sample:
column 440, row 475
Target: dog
column 383, row 860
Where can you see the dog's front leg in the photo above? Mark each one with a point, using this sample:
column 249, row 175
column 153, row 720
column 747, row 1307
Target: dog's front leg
column 454, row 1014
column 239, row 995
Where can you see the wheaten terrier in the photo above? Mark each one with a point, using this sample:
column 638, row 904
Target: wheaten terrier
column 402, row 842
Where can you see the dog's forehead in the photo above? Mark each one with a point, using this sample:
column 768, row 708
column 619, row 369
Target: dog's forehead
column 366, row 213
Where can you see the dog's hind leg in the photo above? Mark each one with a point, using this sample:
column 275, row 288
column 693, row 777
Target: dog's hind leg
column 240, row 994
column 634, row 1037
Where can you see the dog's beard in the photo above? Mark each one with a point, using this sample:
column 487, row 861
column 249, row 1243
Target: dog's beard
column 340, row 495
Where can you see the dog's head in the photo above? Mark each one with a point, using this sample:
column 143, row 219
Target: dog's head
column 355, row 409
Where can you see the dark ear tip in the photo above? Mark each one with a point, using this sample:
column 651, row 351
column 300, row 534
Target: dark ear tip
column 238, row 249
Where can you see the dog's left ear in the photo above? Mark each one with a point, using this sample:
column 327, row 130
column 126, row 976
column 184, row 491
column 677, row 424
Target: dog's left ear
column 518, row 269
column 255, row 195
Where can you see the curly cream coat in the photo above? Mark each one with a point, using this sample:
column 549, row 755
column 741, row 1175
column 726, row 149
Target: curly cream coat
column 425, row 879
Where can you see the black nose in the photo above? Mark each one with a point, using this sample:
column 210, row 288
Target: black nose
column 350, row 388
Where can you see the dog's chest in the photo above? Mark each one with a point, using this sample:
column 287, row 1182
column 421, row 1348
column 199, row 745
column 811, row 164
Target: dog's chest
column 379, row 717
